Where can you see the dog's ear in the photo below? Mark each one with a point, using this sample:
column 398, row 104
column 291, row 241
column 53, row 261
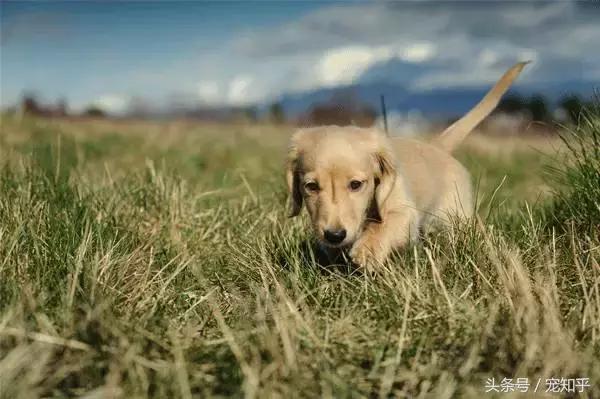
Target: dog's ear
column 385, row 176
column 293, row 165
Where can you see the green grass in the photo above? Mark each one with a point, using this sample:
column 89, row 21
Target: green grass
column 156, row 260
column 578, row 204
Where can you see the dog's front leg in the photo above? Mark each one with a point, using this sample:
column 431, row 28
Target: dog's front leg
column 379, row 239
column 371, row 249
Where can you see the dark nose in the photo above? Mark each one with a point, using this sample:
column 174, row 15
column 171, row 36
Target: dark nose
column 335, row 236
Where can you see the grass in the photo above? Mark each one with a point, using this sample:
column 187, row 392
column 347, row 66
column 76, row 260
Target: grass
column 156, row 260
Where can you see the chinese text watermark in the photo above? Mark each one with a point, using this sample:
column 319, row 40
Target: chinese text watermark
column 551, row 385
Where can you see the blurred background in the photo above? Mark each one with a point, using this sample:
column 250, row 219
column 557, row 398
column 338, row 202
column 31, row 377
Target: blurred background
column 299, row 62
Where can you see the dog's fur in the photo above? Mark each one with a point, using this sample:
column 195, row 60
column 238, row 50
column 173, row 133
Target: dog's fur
column 383, row 192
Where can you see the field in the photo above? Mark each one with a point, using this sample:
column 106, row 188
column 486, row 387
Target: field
column 155, row 259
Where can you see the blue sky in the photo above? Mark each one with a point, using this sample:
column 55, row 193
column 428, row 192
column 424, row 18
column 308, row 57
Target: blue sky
column 236, row 53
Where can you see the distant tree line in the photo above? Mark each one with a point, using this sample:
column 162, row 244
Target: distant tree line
column 538, row 108
column 343, row 108
column 31, row 105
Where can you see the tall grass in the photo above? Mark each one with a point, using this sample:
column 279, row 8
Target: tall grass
column 578, row 202
column 157, row 261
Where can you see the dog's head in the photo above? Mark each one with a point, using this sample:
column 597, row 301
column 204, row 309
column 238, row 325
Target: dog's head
column 344, row 175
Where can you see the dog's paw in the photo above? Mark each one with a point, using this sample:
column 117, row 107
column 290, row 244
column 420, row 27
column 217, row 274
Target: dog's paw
column 366, row 254
column 359, row 255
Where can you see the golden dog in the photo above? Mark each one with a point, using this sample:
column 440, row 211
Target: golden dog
column 371, row 194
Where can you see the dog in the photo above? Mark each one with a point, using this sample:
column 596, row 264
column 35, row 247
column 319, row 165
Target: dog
column 371, row 194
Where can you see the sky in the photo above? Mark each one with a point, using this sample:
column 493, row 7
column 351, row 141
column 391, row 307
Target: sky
column 240, row 53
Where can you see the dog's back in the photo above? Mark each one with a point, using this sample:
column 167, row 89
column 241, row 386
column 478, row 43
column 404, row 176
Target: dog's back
column 438, row 183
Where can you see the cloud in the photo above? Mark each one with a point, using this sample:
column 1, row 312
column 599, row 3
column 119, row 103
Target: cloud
column 418, row 52
column 343, row 65
column 209, row 92
column 456, row 44
column 239, row 92
column 113, row 103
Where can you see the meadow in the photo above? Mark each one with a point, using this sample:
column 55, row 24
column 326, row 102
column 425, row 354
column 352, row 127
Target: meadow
column 156, row 259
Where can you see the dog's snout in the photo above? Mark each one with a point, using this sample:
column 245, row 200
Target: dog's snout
column 335, row 236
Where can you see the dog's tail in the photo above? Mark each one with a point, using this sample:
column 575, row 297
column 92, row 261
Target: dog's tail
column 459, row 130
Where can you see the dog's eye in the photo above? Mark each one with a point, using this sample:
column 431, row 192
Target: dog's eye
column 311, row 186
column 355, row 185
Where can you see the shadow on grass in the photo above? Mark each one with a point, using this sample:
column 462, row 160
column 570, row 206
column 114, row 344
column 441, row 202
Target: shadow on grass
column 303, row 253
column 325, row 260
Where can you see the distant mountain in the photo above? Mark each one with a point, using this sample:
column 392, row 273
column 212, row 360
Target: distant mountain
column 439, row 103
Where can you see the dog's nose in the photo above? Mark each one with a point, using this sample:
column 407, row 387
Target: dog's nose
column 335, row 236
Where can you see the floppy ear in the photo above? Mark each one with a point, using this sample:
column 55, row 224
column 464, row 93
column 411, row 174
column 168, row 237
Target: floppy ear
column 385, row 178
column 293, row 181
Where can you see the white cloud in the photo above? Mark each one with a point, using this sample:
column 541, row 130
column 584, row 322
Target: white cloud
column 209, row 92
column 527, row 55
column 112, row 103
column 343, row 65
column 239, row 92
column 418, row 52
column 488, row 57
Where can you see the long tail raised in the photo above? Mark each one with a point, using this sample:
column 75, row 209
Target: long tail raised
column 459, row 130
